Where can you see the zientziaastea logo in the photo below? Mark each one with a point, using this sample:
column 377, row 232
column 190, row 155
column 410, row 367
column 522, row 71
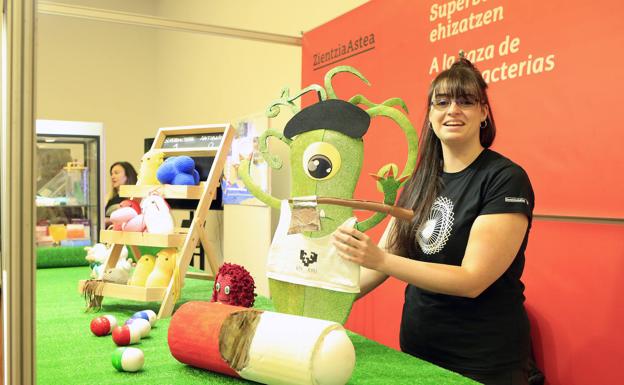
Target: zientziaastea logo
column 343, row 50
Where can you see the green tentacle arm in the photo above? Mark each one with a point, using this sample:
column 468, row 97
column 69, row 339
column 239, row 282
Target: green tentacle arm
column 286, row 100
column 330, row 74
column 322, row 95
column 273, row 110
column 273, row 161
column 361, row 99
column 389, row 185
column 254, row 189
column 376, row 218
column 408, row 130
column 389, row 182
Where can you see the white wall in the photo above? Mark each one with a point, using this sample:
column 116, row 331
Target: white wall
column 98, row 72
column 137, row 79
column 285, row 17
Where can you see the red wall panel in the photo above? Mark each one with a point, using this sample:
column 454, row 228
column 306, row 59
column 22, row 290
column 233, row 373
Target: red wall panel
column 557, row 124
column 561, row 125
column 573, row 289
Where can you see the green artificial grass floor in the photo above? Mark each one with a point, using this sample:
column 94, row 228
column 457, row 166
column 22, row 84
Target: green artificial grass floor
column 61, row 256
column 70, row 256
column 68, row 353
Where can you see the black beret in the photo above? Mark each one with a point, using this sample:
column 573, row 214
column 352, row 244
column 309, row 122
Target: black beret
column 332, row 114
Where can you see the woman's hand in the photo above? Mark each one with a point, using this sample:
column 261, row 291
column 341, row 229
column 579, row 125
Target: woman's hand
column 355, row 246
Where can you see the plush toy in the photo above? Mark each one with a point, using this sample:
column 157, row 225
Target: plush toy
column 234, row 286
column 156, row 215
column 128, row 209
column 133, row 204
column 116, row 275
column 97, row 255
column 163, row 268
column 150, row 162
column 326, row 157
column 178, row 170
column 136, row 223
column 143, row 268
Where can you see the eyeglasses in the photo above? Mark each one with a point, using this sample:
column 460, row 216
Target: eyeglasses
column 442, row 103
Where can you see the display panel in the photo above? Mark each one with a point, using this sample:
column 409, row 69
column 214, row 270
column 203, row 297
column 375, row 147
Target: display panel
column 550, row 67
column 192, row 140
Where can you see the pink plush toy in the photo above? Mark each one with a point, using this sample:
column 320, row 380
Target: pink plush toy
column 137, row 223
column 156, row 215
column 128, row 210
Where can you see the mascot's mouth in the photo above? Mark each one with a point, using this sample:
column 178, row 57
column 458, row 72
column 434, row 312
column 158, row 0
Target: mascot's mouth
column 324, row 216
column 309, row 214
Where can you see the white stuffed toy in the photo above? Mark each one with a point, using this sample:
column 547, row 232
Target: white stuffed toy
column 157, row 215
column 97, row 255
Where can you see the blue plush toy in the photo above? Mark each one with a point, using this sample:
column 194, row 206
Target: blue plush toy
column 178, row 170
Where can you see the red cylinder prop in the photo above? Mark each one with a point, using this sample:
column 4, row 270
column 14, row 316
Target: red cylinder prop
column 194, row 335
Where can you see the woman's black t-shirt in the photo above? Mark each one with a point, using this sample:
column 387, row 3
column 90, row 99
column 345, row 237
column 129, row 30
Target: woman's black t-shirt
column 490, row 332
column 112, row 205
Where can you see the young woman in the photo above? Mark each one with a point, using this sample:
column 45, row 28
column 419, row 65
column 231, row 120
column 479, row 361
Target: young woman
column 463, row 254
column 121, row 173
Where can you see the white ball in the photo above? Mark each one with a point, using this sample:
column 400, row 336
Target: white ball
column 149, row 315
column 152, row 316
column 141, row 325
column 128, row 359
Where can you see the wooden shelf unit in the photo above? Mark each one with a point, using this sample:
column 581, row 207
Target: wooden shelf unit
column 136, row 293
column 185, row 240
column 168, row 190
column 142, row 239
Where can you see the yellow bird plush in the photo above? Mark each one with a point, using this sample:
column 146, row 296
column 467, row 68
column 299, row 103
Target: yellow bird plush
column 142, row 270
column 150, row 162
column 164, row 268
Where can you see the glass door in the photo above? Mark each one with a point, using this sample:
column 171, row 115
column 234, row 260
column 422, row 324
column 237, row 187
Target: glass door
column 67, row 190
column 68, row 176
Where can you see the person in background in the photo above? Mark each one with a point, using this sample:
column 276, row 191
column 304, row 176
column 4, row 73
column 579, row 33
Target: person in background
column 462, row 255
column 121, row 173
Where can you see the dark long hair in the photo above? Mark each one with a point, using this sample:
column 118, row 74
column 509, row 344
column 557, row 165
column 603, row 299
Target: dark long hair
column 131, row 175
column 419, row 193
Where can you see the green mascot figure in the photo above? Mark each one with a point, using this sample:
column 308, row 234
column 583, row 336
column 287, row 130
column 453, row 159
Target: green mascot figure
column 306, row 276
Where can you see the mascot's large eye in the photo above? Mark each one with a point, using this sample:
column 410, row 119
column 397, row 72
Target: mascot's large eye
column 321, row 160
column 218, row 287
column 226, row 290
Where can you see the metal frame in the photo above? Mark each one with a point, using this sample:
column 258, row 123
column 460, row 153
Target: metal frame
column 17, row 191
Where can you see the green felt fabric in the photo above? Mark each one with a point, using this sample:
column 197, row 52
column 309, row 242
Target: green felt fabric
column 311, row 301
column 68, row 353
column 341, row 185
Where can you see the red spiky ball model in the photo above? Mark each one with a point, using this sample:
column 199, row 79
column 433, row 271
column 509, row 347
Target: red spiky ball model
column 234, row 286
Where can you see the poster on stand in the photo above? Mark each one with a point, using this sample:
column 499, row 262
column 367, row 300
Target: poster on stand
column 244, row 145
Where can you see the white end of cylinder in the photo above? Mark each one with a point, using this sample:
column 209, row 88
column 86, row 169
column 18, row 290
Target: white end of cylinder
column 334, row 359
column 294, row 350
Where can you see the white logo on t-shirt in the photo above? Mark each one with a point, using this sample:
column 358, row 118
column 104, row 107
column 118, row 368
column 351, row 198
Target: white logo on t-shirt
column 516, row 200
column 436, row 230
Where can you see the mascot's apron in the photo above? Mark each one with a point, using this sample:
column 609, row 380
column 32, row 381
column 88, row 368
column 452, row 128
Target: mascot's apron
column 298, row 259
